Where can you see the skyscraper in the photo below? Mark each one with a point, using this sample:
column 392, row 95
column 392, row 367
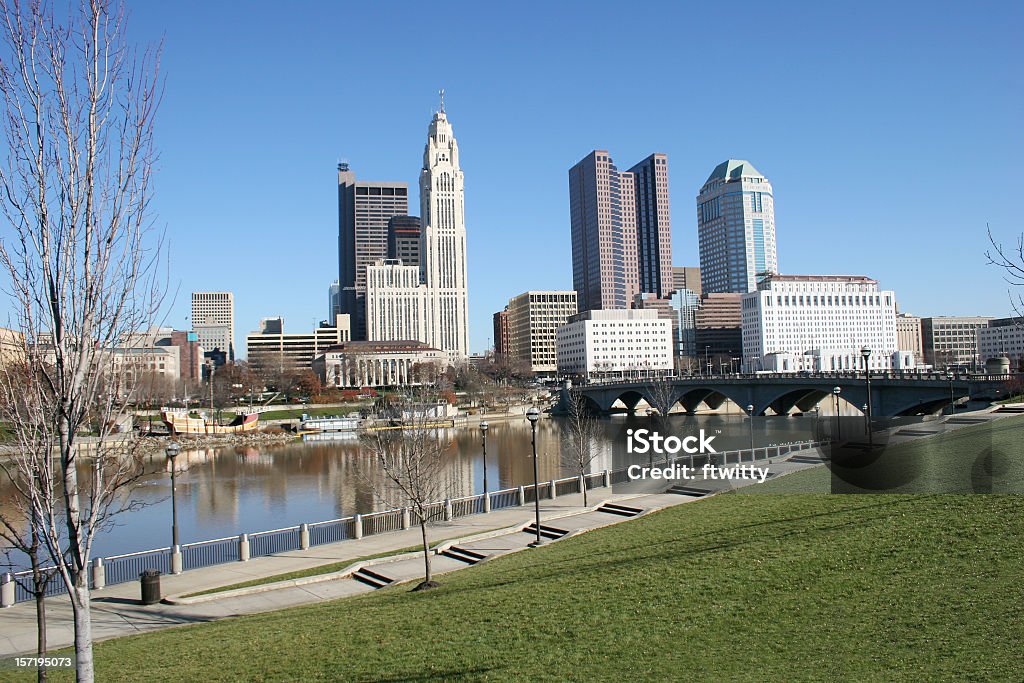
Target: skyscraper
column 443, row 252
column 213, row 321
column 736, row 228
column 621, row 232
column 602, row 211
column 404, row 236
column 364, row 210
column 653, row 226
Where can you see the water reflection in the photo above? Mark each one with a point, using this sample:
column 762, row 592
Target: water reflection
column 225, row 491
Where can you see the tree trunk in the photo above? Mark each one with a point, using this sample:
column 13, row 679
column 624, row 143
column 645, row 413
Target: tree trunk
column 427, row 575
column 583, row 480
column 83, row 629
column 39, row 584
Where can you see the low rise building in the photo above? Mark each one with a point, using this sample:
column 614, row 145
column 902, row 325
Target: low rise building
column 1003, row 337
column 820, row 323
column 533, row 319
column 719, row 334
column 271, row 349
column 609, row 341
column 908, row 334
column 380, row 364
column 952, row 341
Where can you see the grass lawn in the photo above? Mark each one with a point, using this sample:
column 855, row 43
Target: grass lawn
column 737, row 587
column 312, row 412
column 303, row 573
column 983, row 458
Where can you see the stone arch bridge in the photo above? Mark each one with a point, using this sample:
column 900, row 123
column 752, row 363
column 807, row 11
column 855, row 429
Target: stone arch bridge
column 781, row 394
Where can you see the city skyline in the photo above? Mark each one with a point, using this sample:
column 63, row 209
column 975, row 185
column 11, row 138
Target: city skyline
column 928, row 116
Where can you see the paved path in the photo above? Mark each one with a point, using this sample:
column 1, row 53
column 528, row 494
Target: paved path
column 116, row 611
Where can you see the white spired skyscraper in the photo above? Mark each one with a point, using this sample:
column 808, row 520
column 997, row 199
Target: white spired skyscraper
column 736, row 228
column 443, row 250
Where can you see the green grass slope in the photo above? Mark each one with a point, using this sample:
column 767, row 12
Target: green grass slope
column 785, row 587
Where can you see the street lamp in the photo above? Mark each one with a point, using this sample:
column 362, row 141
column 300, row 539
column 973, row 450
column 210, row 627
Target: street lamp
column 750, row 411
column 835, row 392
column 172, row 451
column 866, row 353
column 817, row 409
column 707, row 357
column 533, row 415
column 952, row 402
column 483, row 432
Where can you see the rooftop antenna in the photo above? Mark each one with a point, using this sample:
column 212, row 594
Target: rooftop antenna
column 441, row 93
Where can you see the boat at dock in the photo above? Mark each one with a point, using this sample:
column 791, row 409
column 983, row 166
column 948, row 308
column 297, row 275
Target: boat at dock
column 180, row 422
column 328, row 424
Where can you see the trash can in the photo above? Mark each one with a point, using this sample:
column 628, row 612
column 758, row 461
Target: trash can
column 150, row 580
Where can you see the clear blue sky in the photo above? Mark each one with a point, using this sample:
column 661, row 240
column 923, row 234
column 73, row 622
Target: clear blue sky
column 890, row 131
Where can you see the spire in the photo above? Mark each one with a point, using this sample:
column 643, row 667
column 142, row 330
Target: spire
column 441, row 93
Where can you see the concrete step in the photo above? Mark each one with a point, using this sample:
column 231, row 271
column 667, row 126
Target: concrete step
column 372, row 578
column 1013, row 408
column 916, row 432
column 967, row 420
column 622, row 510
column 807, row 459
column 545, row 531
column 691, row 491
column 463, row 554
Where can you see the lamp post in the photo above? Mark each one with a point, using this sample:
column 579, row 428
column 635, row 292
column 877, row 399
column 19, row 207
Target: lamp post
column 817, row 409
column 952, row 402
column 835, row 392
column 172, row 451
column 483, row 433
column 533, row 415
column 866, row 354
column 707, row 357
column 750, row 411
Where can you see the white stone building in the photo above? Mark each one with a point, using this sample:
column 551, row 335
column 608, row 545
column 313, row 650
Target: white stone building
column 443, row 256
column 820, row 323
column 631, row 341
column 396, row 302
column 379, row 364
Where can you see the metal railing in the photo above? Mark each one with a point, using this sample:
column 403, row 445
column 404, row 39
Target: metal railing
column 208, row 553
column 127, row 567
column 121, row 568
column 331, row 531
column 271, row 542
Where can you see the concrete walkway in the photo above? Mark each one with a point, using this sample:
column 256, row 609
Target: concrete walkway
column 116, row 610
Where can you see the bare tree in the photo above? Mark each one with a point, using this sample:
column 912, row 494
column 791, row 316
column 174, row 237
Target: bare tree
column 413, row 461
column 80, row 259
column 20, row 526
column 1011, row 261
column 581, row 431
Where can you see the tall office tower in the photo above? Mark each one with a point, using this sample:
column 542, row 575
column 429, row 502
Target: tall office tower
column 213, row 321
column 443, row 251
column 333, row 299
column 653, row 227
column 602, row 210
column 364, row 210
column 687, row 277
column 736, row 228
column 404, row 237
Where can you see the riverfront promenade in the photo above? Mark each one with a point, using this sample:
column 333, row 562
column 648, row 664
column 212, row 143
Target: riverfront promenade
column 116, row 610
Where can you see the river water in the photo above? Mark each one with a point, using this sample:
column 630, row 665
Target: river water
column 225, row 491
